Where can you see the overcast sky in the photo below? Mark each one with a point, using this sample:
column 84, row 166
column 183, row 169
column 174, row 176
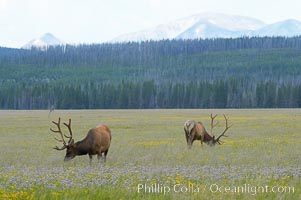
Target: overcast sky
column 96, row 21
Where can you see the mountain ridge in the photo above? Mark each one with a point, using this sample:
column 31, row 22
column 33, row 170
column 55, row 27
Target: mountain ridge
column 214, row 25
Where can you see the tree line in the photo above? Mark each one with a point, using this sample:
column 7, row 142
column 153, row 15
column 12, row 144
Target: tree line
column 129, row 95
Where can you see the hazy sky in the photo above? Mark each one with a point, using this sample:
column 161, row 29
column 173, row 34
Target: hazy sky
column 88, row 21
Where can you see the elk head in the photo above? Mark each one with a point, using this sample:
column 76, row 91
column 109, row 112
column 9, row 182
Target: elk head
column 70, row 153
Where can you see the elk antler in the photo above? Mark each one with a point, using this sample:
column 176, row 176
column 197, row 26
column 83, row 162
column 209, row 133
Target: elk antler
column 58, row 124
column 223, row 133
column 212, row 124
column 70, row 131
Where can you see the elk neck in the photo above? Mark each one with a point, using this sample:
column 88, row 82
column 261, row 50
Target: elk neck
column 81, row 147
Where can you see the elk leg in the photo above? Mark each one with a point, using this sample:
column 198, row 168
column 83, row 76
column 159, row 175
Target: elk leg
column 187, row 135
column 105, row 155
column 190, row 141
column 90, row 156
column 202, row 139
column 99, row 156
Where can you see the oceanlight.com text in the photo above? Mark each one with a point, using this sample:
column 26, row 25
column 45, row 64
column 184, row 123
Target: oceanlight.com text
column 250, row 189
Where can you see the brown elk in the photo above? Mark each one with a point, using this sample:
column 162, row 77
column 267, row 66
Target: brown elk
column 97, row 141
column 196, row 131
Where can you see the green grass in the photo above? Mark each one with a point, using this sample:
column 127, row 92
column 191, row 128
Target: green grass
column 149, row 148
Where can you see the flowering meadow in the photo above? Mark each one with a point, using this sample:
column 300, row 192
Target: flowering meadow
column 149, row 158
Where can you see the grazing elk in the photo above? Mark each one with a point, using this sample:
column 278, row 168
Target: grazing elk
column 97, row 142
column 196, row 131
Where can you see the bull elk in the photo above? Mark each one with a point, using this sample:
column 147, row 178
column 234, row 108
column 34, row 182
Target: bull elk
column 196, row 131
column 97, row 142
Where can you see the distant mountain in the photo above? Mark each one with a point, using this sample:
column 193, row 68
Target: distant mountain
column 214, row 25
column 205, row 25
column 286, row 28
column 44, row 41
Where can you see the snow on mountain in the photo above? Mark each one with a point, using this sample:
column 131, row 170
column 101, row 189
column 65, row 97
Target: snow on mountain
column 207, row 30
column 286, row 28
column 163, row 31
column 205, row 25
column 43, row 42
column 229, row 22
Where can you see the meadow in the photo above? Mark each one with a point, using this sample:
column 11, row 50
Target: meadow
column 149, row 158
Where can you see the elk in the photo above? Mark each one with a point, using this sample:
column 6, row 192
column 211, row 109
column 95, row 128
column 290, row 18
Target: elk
column 97, row 141
column 196, row 131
